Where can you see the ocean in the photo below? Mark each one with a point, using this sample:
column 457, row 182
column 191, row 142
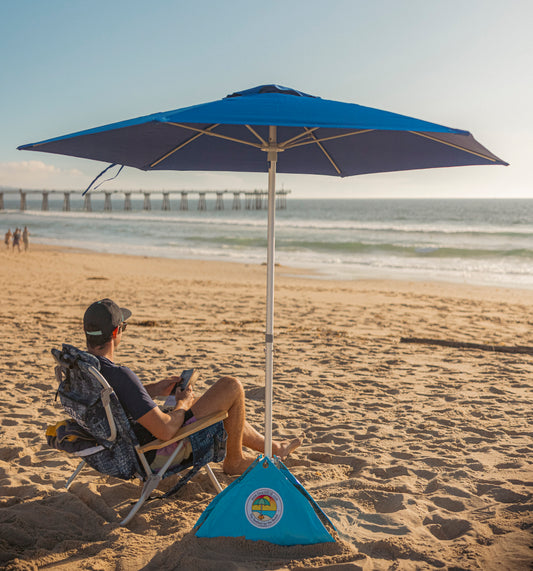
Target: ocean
column 480, row 242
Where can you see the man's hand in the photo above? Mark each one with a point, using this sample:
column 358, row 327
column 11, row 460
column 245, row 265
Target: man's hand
column 184, row 399
column 163, row 388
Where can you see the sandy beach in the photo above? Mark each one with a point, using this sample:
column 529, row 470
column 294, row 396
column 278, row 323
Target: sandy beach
column 421, row 455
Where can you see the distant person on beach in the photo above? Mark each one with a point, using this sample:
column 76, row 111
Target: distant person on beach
column 7, row 238
column 16, row 239
column 26, row 238
column 104, row 324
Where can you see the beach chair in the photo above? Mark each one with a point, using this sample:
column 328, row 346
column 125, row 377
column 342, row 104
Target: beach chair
column 100, row 433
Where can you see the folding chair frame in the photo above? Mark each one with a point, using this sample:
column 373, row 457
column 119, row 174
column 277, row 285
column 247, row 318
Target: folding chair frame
column 151, row 479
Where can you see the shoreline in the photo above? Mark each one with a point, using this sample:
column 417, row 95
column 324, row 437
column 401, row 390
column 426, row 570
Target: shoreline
column 419, row 455
column 290, row 271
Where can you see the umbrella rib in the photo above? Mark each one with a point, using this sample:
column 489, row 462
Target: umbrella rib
column 330, row 138
column 263, row 142
column 321, row 147
column 184, row 144
column 452, row 145
column 289, row 142
column 218, row 135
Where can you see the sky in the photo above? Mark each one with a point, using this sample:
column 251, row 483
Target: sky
column 70, row 65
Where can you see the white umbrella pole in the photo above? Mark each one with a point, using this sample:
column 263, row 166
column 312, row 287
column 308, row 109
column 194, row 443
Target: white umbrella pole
column 269, row 336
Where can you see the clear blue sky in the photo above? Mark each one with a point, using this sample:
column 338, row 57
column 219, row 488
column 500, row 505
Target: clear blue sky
column 69, row 65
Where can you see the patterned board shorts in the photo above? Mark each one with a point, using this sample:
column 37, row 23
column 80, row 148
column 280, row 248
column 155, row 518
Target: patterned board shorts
column 207, row 445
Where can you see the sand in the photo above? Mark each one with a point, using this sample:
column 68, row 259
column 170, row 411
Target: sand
column 421, row 455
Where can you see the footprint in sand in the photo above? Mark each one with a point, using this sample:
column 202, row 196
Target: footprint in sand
column 10, row 453
column 325, row 458
column 513, row 465
column 448, row 503
column 30, row 434
column 437, row 484
column 446, row 529
column 425, row 474
column 402, row 455
column 18, row 415
column 382, row 502
column 475, row 465
column 391, row 472
column 393, row 548
column 382, row 524
column 506, row 496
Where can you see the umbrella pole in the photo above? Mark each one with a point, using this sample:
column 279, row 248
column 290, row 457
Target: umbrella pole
column 271, row 244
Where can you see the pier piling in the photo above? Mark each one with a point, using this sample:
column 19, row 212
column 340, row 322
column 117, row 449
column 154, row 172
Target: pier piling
column 147, row 204
column 184, row 203
column 66, row 201
column 107, row 202
column 220, row 201
column 202, row 205
column 87, row 203
column 44, row 203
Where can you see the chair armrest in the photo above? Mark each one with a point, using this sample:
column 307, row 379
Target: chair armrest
column 185, row 431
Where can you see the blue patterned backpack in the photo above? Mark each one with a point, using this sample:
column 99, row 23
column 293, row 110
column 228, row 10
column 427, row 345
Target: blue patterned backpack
column 99, row 432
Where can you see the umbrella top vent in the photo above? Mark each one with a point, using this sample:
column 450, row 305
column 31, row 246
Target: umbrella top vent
column 271, row 88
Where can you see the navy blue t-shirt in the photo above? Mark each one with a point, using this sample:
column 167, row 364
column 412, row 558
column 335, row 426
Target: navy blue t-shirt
column 128, row 387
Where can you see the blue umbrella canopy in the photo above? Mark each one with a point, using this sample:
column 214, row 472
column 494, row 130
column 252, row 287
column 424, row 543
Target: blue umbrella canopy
column 314, row 136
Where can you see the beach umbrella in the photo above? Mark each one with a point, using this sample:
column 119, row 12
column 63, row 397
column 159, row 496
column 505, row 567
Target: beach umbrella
column 271, row 128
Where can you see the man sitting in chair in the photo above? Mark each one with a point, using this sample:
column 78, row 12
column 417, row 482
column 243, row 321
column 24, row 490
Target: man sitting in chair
column 104, row 323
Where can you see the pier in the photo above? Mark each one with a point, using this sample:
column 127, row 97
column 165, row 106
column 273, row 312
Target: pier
column 247, row 199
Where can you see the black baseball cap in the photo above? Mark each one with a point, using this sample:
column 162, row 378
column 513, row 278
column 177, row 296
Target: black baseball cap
column 103, row 317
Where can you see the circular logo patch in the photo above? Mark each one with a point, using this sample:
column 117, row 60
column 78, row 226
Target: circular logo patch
column 264, row 508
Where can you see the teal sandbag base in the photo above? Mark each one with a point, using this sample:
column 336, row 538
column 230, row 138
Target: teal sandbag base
column 266, row 503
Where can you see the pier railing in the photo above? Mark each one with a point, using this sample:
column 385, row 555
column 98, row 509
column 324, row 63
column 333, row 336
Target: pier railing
column 252, row 199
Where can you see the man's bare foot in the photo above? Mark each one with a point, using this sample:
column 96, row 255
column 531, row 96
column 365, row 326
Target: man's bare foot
column 281, row 449
column 236, row 468
column 285, row 447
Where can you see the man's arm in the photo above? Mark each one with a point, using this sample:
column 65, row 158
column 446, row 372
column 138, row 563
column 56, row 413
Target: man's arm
column 164, row 425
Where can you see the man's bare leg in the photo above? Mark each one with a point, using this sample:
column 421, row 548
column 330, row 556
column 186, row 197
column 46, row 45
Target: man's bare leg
column 228, row 394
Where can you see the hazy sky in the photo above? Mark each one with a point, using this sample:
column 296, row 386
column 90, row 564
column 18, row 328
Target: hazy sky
column 69, row 65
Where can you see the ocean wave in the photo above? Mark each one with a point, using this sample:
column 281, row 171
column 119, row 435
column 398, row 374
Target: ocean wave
column 410, row 228
column 358, row 247
column 257, row 219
